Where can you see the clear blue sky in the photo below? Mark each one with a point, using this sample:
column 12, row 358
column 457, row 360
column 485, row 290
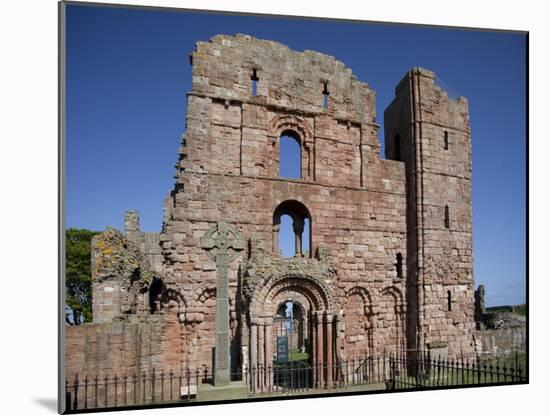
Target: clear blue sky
column 128, row 72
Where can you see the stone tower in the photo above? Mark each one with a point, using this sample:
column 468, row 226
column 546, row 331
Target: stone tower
column 430, row 133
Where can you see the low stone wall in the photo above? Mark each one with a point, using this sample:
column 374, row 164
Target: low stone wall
column 501, row 342
column 126, row 346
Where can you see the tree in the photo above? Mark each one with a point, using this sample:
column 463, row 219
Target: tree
column 78, row 275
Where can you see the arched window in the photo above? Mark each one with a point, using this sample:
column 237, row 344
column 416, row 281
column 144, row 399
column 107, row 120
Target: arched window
column 290, row 155
column 446, row 141
column 292, row 230
column 397, row 148
column 449, row 301
column 254, row 78
column 447, row 220
column 399, row 265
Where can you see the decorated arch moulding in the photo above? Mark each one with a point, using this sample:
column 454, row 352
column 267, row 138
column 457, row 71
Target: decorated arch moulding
column 269, row 286
column 296, row 297
column 283, row 122
column 397, row 296
column 367, row 294
column 292, row 292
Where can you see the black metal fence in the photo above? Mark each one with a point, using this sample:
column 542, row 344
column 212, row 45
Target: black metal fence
column 426, row 371
column 394, row 372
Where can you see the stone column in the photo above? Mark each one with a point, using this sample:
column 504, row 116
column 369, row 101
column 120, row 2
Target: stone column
column 253, row 353
column 261, row 357
column 313, row 346
column 320, row 347
column 269, row 353
column 298, row 227
column 276, row 229
column 330, row 364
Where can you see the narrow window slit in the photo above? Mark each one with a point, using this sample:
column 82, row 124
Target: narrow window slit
column 325, row 95
column 255, row 80
column 399, row 265
column 447, row 216
column 446, row 141
column 449, row 301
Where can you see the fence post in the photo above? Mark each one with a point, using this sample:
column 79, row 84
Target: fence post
column 135, row 381
column 171, row 384
column 153, row 385
column 162, row 385
column 106, row 393
column 144, row 390
column 125, row 388
column 96, row 387
column 116, row 389
column 75, row 389
column 86, row 392
column 187, row 375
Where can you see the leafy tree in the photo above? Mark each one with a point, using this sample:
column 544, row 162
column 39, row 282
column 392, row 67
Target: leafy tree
column 78, row 275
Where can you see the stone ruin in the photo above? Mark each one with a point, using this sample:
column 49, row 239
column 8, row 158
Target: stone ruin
column 388, row 265
column 499, row 333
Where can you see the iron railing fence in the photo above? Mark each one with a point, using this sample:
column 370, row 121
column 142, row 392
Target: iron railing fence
column 426, row 371
column 396, row 371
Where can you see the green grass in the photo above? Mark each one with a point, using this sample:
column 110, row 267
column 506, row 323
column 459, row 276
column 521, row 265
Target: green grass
column 297, row 355
column 470, row 377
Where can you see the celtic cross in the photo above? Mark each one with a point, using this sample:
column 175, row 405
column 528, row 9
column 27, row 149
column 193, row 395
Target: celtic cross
column 222, row 243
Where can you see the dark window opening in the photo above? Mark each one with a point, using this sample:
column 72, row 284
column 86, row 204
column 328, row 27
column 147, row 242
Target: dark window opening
column 292, row 230
column 397, row 148
column 255, row 80
column 446, row 141
column 399, row 265
column 447, row 221
column 449, row 301
column 290, row 155
column 325, row 95
column 155, row 293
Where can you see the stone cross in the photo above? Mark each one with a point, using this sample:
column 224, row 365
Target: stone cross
column 222, row 243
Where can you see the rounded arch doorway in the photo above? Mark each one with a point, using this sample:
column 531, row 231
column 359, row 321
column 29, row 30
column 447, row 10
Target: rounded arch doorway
column 295, row 309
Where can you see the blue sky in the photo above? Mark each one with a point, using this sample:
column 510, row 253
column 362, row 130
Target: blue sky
column 128, row 72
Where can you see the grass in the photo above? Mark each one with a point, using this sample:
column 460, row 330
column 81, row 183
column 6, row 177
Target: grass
column 297, row 355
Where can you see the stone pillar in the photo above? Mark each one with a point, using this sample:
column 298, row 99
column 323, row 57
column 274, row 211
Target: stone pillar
column 131, row 225
column 261, row 356
column 320, row 347
column 313, row 346
column 330, row 364
column 269, row 353
column 298, row 227
column 276, row 229
column 253, row 353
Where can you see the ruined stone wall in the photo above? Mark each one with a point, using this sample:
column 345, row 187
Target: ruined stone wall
column 439, row 175
column 501, row 342
column 147, row 242
column 228, row 170
column 130, row 345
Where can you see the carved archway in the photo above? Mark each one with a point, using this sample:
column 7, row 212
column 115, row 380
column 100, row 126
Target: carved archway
column 315, row 298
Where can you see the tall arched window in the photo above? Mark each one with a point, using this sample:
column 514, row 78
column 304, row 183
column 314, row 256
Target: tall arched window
column 292, row 230
column 290, row 155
